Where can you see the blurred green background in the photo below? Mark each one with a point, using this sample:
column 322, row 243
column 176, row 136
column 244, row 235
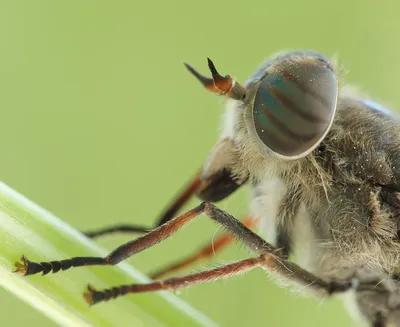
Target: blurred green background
column 101, row 123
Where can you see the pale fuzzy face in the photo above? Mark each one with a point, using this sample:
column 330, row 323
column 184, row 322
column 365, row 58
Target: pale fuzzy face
column 254, row 155
column 239, row 123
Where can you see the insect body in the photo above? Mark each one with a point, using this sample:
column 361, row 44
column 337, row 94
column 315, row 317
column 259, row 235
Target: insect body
column 323, row 166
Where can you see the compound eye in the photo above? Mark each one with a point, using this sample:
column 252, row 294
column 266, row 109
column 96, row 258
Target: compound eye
column 294, row 108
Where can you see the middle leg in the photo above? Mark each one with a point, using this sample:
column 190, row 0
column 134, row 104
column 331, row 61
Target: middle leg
column 204, row 253
column 268, row 261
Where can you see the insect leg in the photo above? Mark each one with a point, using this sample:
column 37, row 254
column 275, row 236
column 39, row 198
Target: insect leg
column 268, row 257
column 116, row 229
column 213, row 183
column 379, row 321
column 234, row 226
column 121, row 253
column 251, row 240
column 267, row 261
column 167, row 215
column 93, row 296
column 204, row 253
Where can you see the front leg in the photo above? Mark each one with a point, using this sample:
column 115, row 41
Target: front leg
column 221, row 175
column 268, row 259
column 235, row 227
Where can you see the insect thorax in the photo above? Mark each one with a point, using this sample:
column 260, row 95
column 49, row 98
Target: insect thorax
column 329, row 189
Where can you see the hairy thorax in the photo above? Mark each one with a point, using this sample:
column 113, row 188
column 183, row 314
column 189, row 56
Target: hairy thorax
column 335, row 208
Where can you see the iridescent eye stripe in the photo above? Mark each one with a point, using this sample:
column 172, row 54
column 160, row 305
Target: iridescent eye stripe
column 281, row 126
column 281, row 143
column 294, row 107
column 291, row 77
column 291, row 120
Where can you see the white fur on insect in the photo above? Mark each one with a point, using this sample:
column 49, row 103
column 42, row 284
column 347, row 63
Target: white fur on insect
column 345, row 226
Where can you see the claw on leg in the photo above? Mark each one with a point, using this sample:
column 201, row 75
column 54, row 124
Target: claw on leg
column 90, row 295
column 21, row 267
column 93, row 296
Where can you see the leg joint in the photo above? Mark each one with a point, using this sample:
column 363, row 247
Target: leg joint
column 208, row 207
column 335, row 287
column 205, row 206
column 268, row 260
column 111, row 260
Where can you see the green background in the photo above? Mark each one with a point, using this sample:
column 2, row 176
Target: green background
column 101, row 123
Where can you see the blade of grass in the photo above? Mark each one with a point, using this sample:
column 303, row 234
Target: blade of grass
column 26, row 228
